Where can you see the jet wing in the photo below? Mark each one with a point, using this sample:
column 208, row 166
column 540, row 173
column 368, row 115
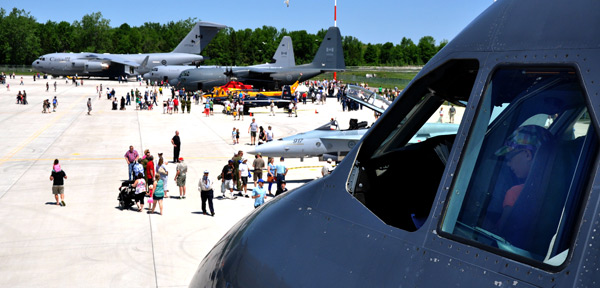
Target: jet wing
column 111, row 58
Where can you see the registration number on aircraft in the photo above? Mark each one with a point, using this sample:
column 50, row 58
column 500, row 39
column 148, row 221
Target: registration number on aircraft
column 298, row 140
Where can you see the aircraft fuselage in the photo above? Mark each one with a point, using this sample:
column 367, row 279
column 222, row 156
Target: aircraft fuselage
column 102, row 65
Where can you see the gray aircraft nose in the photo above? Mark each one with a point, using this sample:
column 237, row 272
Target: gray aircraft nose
column 173, row 82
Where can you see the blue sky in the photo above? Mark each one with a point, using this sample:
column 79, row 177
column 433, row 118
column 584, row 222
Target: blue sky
column 376, row 21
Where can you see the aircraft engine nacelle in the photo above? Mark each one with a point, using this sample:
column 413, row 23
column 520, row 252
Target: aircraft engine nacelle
column 95, row 66
column 78, row 65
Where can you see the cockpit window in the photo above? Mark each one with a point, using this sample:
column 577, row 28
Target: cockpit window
column 526, row 165
column 400, row 163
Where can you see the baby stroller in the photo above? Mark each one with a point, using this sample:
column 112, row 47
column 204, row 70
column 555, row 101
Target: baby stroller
column 126, row 194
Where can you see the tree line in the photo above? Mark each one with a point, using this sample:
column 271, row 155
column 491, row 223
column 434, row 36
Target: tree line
column 23, row 39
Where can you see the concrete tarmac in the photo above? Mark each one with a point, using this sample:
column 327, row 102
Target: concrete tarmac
column 91, row 242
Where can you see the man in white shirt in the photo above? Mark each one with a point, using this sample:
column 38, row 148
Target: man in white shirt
column 326, row 170
column 206, row 193
column 270, row 134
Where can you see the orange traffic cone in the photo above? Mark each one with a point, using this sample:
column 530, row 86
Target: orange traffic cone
column 250, row 114
column 316, row 112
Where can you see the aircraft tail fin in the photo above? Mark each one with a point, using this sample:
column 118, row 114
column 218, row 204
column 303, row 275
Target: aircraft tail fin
column 330, row 56
column 198, row 38
column 143, row 68
column 284, row 55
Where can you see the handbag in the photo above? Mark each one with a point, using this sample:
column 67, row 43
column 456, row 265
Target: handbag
column 270, row 179
column 162, row 170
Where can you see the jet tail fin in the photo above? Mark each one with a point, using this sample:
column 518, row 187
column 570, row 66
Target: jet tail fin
column 284, row 56
column 198, row 38
column 143, row 68
column 330, row 56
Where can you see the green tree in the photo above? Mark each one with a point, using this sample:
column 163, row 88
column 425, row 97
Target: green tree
column 352, row 51
column 371, row 55
column 410, row 51
column 93, row 34
column 385, row 54
column 427, row 48
column 20, row 43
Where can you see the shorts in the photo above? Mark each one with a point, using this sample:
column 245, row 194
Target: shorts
column 253, row 133
column 58, row 189
column 244, row 180
column 149, row 181
column 181, row 180
column 257, row 175
column 227, row 184
column 157, row 197
column 140, row 197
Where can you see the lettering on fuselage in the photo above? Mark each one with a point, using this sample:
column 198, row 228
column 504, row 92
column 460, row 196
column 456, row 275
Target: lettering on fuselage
column 58, row 59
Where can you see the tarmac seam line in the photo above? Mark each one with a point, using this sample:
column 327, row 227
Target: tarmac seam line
column 153, row 254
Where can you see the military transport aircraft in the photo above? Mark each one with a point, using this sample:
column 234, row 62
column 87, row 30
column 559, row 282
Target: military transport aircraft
column 511, row 200
column 284, row 57
column 329, row 57
column 328, row 141
column 115, row 65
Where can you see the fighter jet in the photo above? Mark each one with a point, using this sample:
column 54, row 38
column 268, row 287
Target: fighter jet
column 284, row 57
column 124, row 65
column 329, row 141
column 329, row 57
column 511, row 200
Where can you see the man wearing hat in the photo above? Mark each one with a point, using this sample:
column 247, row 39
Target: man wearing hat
column 206, row 193
column 259, row 193
column 282, row 189
column 227, row 180
column 326, row 170
column 180, row 177
column 518, row 151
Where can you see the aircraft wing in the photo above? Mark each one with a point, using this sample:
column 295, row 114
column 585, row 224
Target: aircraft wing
column 111, row 58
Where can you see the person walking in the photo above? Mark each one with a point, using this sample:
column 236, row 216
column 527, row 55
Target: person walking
column 243, row 172
column 281, row 173
column 58, row 177
column 227, row 180
column 259, row 194
column 140, row 191
column 176, row 141
column 161, row 170
column 272, row 172
column 180, row 177
column 272, row 109
column 158, row 195
column 54, row 104
column 206, row 193
column 131, row 156
column 150, row 172
column 89, row 106
column 451, row 113
column 258, row 165
column 252, row 129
